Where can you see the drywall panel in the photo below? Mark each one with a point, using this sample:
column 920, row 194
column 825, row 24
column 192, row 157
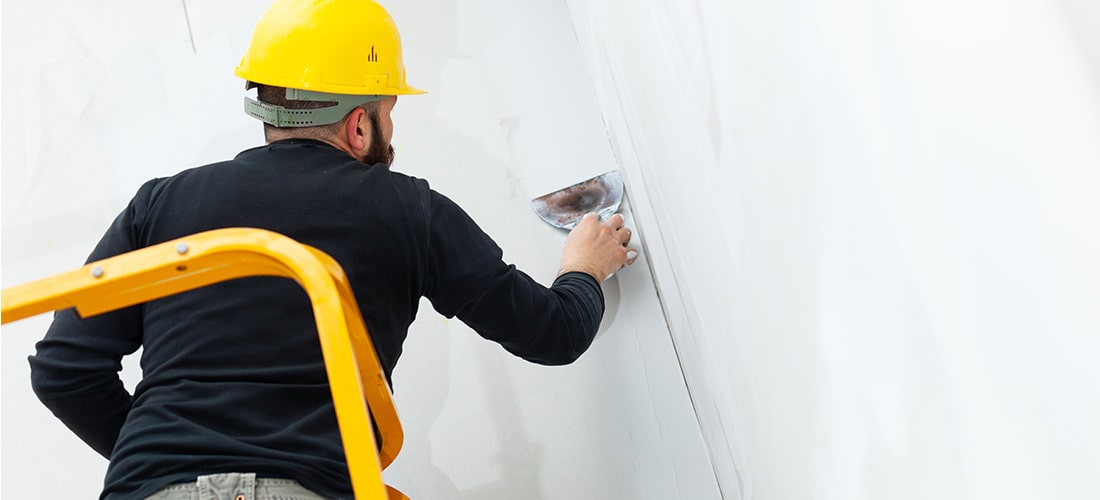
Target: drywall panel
column 98, row 98
column 872, row 224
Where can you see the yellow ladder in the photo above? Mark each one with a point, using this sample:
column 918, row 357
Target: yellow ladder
column 355, row 376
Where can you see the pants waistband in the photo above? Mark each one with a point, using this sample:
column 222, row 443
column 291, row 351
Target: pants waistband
column 236, row 486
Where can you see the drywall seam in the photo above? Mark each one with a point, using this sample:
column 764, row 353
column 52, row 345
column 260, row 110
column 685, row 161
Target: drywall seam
column 190, row 32
column 695, row 367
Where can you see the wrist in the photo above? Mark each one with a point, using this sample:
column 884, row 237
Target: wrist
column 566, row 268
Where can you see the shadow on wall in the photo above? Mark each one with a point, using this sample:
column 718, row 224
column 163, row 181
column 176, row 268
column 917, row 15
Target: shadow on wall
column 458, row 161
column 1081, row 18
column 420, row 474
column 519, row 457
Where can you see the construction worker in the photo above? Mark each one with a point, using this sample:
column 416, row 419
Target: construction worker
column 234, row 398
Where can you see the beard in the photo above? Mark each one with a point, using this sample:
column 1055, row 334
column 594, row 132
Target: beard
column 379, row 151
column 380, row 154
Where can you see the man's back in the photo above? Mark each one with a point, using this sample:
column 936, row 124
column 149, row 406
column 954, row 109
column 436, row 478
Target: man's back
column 234, row 371
column 233, row 377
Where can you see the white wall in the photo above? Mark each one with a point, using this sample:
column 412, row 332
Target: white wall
column 99, row 97
column 873, row 225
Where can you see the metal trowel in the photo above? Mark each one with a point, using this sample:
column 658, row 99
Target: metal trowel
column 564, row 208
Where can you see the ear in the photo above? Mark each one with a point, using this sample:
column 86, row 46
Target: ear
column 357, row 130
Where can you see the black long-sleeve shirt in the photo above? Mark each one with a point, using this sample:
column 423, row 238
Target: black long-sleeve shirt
column 233, row 377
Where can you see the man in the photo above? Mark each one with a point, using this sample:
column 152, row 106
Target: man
column 234, row 397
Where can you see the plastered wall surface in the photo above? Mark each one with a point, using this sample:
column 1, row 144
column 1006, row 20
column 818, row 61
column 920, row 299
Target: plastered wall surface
column 877, row 237
column 97, row 98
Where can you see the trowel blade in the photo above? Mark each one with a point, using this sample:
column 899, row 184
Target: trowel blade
column 565, row 208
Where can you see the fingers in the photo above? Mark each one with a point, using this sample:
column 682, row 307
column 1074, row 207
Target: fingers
column 623, row 234
column 616, row 221
column 588, row 219
column 631, row 256
column 618, row 229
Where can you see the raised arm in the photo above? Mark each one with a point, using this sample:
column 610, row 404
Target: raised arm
column 554, row 325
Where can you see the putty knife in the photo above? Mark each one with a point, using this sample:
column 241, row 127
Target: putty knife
column 564, row 208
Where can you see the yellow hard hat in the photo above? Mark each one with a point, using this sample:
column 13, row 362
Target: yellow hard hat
column 324, row 47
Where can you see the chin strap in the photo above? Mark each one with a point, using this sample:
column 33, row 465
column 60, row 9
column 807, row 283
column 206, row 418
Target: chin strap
column 280, row 116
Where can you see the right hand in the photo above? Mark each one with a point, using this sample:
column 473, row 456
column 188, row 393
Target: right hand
column 598, row 248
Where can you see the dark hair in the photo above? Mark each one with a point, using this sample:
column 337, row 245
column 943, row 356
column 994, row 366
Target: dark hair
column 277, row 95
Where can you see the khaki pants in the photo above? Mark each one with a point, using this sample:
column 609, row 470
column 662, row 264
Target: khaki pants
column 236, row 486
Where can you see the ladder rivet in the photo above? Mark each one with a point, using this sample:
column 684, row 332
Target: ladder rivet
column 97, row 272
column 181, row 248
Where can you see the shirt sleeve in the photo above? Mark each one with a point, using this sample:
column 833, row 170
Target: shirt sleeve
column 74, row 371
column 469, row 279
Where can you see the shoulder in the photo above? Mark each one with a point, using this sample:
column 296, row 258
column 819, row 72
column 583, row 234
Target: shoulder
column 416, row 188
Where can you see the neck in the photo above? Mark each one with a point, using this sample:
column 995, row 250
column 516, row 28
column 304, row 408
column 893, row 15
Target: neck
column 331, row 141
